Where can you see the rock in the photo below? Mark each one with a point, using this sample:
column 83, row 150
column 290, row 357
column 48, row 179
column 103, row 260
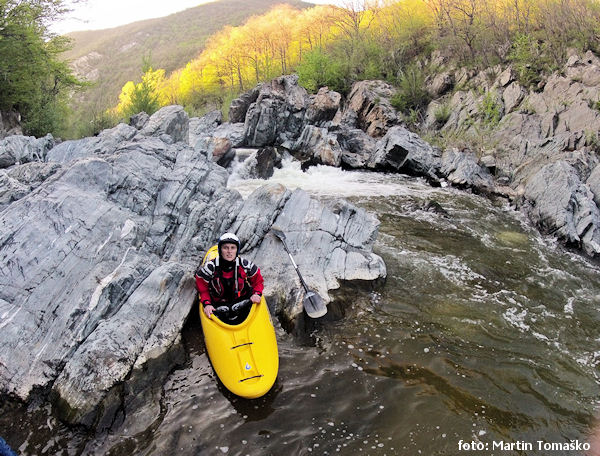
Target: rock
column 233, row 132
column 441, row 84
column 357, row 146
column 19, row 181
column 593, row 183
column 22, row 149
column 561, row 204
column 318, row 145
column 260, row 164
column 322, row 107
column 202, row 127
column 239, row 106
column 172, row 121
column 277, row 115
column 462, row 170
column 139, row 120
column 370, row 101
column 98, row 261
column 105, row 143
column 512, row 96
column 404, row 151
column 329, row 245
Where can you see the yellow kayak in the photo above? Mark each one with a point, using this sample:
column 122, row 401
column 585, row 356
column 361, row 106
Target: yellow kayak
column 244, row 356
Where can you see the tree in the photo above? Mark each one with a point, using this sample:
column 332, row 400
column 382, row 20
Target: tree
column 33, row 80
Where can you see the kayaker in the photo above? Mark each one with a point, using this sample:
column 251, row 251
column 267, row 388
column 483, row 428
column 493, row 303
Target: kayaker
column 228, row 278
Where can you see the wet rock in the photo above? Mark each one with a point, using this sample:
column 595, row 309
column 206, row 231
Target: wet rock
column 404, row 151
column 463, row 170
column 260, row 164
column 562, row 204
column 22, row 149
column 357, row 146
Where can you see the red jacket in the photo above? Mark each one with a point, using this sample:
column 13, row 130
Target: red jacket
column 217, row 287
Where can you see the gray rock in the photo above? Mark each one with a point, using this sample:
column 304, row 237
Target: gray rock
column 19, row 181
column 239, row 106
column 277, row 115
column 440, row 84
column 357, row 146
column 512, row 96
column 463, row 170
column 139, row 120
column 564, row 206
column 593, row 182
column 234, row 132
column 105, row 143
column 172, row 121
column 322, row 107
column 201, row 127
column 370, row 101
column 22, row 149
column 318, row 145
column 404, row 151
column 97, row 261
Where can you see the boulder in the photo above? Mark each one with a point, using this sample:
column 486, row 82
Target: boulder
column 322, row 107
column 463, row 170
column 319, row 146
column 139, row 120
column 404, row 151
column 171, row 121
column 561, row 204
column 239, row 106
column 357, row 146
column 369, row 102
column 19, row 181
column 18, row 149
column 277, row 115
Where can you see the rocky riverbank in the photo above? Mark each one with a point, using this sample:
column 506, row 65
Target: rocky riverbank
column 99, row 241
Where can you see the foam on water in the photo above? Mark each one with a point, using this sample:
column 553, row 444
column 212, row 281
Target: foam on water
column 324, row 180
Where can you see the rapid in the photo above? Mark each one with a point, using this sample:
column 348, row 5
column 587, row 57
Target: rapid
column 483, row 340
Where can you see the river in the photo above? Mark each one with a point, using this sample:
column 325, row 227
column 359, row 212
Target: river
column 483, row 340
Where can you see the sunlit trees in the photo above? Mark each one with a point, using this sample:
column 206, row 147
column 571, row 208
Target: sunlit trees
column 33, row 80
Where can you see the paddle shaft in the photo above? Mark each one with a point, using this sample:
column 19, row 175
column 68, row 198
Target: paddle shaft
column 294, row 264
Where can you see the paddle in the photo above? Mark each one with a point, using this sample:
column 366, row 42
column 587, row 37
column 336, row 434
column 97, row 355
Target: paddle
column 313, row 304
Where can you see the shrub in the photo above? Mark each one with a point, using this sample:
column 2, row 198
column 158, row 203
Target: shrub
column 411, row 92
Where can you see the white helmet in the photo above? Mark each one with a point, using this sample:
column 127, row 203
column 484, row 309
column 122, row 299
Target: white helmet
column 229, row 238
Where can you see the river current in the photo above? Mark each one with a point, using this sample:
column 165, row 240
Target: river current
column 483, row 340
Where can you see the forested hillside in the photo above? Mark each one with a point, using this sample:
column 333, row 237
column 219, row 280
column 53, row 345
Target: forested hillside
column 408, row 43
column 109, row 58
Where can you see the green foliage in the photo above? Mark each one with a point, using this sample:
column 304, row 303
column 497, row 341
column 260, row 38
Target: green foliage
column 490, row 109
column 319, row 69
column 528, row 59
column 35, row 82
column 411, row 93
column 442, row 114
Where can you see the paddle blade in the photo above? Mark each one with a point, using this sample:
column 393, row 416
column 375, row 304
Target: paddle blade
column 314, row 305
column 278, row 232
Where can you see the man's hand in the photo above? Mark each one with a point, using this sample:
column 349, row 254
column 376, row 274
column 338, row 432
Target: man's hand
column 208, row 310
column 255, row 298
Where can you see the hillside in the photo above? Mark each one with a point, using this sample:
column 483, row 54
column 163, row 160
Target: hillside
column 111, row 57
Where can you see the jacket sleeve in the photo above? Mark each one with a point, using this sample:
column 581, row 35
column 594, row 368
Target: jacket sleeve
column 257, row 282
column 203, row 276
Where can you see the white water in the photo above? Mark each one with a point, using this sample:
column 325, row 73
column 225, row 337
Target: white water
column 327, row 181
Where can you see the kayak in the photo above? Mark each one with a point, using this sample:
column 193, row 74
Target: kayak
column 244, row 356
